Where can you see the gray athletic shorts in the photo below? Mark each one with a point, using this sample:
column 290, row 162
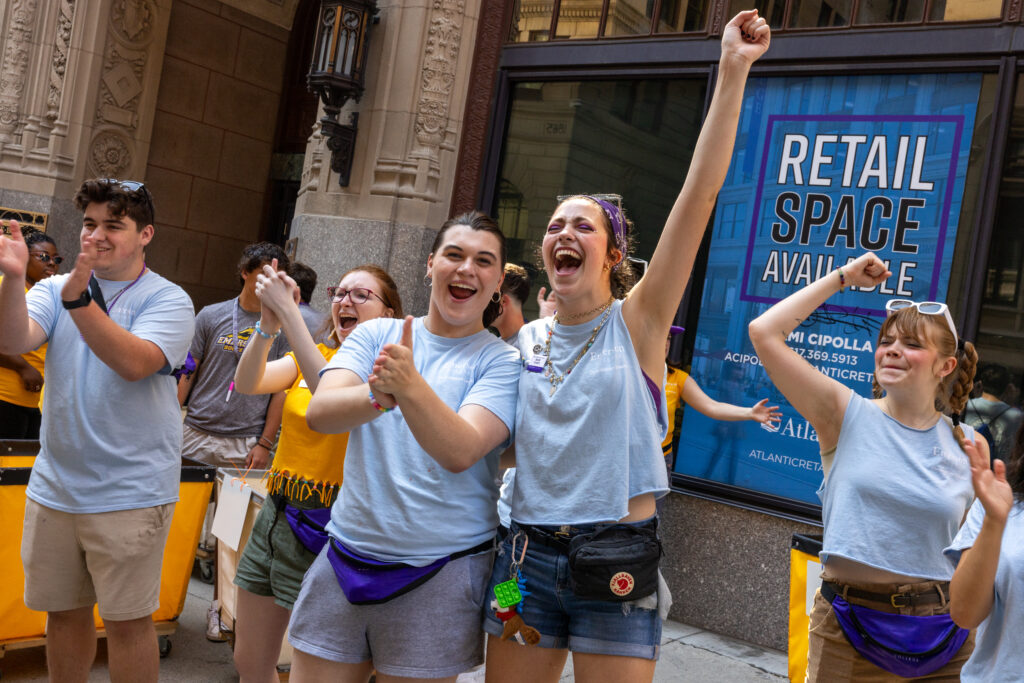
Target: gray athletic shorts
column 433, row 631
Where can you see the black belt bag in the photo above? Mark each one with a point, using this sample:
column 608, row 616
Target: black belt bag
column 616, row 563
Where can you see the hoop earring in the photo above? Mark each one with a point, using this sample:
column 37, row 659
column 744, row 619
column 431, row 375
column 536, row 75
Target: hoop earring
column 427, row 281
column 496, row 297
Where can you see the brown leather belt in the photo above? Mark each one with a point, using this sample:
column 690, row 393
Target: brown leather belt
column 932, row 596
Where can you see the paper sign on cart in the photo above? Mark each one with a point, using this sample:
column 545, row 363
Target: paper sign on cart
column 232, row 504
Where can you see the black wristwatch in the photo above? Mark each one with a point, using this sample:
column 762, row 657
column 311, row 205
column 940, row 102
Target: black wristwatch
column 83, row 300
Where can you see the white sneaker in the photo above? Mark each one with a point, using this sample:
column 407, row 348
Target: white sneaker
column 214, row 627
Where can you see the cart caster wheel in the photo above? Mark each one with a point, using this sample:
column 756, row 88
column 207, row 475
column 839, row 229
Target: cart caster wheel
column 164, row 643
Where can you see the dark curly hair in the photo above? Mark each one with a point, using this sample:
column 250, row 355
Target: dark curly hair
column 517, row 282
column 136, row 204
column 255, row 255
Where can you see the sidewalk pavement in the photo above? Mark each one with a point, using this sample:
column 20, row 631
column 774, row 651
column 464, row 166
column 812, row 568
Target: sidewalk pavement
column 688, row 654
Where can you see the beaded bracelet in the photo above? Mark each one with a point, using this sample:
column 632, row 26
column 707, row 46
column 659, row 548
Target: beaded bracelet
column 263, row 334
column 265, row 442
column 379, row 407
column 842, row 279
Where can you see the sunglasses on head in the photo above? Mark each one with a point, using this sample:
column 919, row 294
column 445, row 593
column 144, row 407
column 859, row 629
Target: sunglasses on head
column 926, row 308
column 46, row 258
column 126, row 185
column 133, row 187
column 357, row 295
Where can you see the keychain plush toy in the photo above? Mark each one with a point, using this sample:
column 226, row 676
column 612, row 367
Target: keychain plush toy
column 508, row 601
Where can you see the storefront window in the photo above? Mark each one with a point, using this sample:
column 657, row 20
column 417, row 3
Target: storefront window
column 826, row 168
column 629, row 18
column 890, row 11
column 679, row 16
column 633, row 137
column 819, row 13
column 965, row 10
column 1000, row 338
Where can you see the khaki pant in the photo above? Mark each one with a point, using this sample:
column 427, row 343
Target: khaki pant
column 831, row 658
column 113, row 558
column 219, row 451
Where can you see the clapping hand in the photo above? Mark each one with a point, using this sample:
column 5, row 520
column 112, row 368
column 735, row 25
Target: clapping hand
column 276, row 292
column 13, row 253
column 78, row 281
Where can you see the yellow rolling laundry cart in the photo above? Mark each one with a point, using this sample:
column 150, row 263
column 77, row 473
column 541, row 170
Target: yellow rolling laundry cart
column 804, row 580
column 22, row 627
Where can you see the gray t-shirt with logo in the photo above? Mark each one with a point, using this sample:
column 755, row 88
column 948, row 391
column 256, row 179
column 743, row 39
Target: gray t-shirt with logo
column 214, row 349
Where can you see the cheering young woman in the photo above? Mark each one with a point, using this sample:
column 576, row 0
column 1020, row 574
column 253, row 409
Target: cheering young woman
column 591, row 419
column 897, row 484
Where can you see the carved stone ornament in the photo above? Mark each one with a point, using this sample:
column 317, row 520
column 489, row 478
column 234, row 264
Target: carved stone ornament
column 132, row 20
column 59, row 62
column 438, row 73
column 17, row 47
column 110, row 155
column 120, row 86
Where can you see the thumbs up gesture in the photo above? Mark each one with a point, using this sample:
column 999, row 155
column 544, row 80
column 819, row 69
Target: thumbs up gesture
column 394, row 372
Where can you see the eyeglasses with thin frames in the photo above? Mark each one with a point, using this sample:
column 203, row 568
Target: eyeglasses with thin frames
column 926, row 308
column 357, row 295
column 46, row 258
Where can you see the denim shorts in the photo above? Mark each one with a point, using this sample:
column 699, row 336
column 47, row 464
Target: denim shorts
column 567, row 621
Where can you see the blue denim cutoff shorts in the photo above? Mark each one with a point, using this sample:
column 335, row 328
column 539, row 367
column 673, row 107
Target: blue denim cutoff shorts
column 564, row 620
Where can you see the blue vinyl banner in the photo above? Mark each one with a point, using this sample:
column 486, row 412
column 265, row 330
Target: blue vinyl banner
column 825, row 168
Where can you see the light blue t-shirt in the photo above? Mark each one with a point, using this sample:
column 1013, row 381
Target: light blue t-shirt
column 106, row 443
column 895, row 495
column 998, row 655
column 398, row 504
column 585, row 450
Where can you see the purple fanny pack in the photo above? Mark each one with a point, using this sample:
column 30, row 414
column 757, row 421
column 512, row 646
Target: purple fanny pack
column 902, row 644
column 309, row 526
column 366, row 581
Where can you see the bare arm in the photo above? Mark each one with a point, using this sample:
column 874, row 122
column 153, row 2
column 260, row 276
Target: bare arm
column 278, row 296
column 259, row 455
column 456, row 440
column 30, row 378
column 340, row 403
column 819, row 398
column 651, row 304
column 971, row 591
column 185, row 386
column 129, row 356
column 694, row 396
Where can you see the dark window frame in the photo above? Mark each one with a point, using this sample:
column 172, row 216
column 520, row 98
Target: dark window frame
column 721, row 8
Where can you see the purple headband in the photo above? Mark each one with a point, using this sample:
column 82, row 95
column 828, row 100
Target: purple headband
column 618, row 223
